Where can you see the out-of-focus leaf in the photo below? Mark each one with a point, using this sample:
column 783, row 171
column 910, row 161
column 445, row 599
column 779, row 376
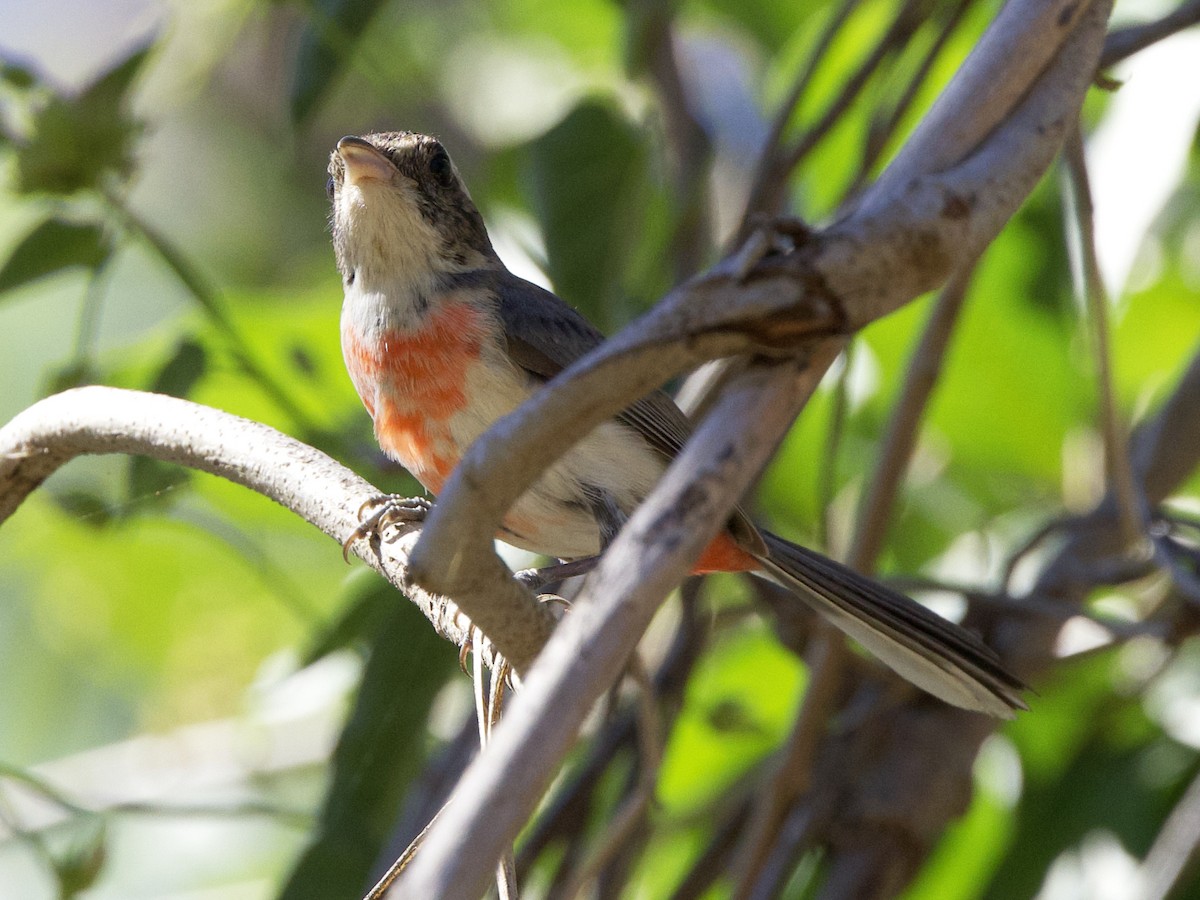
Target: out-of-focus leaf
column 586, row 174
column 72, row 375
column 84, row 506
column 52, row 246
column 365, row 615
column 966, row 856
column 326, row 48
column 737, row 708
column 771, row 24
column 79, row 869
column 378, row 754
column 17, row 75
column 1102, row 789
column 185, row 367
column 78, row 141
column 150, row 478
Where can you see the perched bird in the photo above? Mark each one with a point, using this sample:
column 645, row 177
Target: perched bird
column 441, row 340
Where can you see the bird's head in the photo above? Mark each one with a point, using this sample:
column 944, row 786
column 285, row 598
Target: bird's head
column 400, row 212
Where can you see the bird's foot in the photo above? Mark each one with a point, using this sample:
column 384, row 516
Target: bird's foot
column 386, row 512
column 536, row 579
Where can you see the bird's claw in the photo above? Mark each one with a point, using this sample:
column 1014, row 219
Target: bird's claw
column 464, row 649
column 383, row 512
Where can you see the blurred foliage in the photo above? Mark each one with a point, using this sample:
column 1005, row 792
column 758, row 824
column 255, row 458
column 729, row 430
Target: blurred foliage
column 163, row 227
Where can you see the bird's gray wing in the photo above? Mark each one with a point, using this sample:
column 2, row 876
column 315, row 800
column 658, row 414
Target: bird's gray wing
column 546, row 335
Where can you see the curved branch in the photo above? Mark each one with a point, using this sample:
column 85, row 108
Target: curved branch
column 899, row 244
column 94, row 420
column 909, row 235
column 649, row 557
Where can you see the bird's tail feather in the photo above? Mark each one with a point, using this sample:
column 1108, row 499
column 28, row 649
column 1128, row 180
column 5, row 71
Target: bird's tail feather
column 934, row 654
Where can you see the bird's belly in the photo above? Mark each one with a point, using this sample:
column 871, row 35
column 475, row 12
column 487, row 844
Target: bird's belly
column 432, row 391
column 558, row 516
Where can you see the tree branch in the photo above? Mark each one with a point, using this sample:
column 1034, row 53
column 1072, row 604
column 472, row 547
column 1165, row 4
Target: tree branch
column 590, row 648
column 95, row 420
column 1124, row 42
column 908, row 234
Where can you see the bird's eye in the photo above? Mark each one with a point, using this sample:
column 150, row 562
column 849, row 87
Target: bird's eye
column 439, row 166
column 329, row 187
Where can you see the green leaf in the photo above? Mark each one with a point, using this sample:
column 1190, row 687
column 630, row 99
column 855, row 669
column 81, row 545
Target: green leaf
column 17, row 75
column 78, row 870
column 380, row 750
column 77, row 142
column 326, row 48
column 73, row 374
column 588, row 172
column 151, row 478
column 84, row 506
column 183, row 370
column 52, row 246
column 363, row 616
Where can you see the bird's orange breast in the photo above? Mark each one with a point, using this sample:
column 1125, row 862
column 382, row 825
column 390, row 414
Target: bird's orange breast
column 413, row 382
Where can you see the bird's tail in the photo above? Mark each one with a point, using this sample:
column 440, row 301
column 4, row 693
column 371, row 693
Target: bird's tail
column 934, row 654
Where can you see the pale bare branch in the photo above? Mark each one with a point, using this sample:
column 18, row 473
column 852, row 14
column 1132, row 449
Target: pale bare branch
column 95, row 420
column 592, row 644
column 906, row 238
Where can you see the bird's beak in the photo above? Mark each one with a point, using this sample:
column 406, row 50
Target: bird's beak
column 363, row 162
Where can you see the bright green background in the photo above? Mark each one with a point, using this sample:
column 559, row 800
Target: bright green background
column 187, row 233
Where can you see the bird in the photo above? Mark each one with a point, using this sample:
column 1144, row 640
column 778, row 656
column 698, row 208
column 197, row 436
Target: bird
column 440, row 340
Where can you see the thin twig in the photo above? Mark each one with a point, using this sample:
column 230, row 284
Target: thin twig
column 84, row 348
column 1131, row 508
column 713, row 860
column 793, row 835
column 895, row 453
column 1124, row 42
column 567, row 811
column 834, row 434
column 1030, row 605
column 688, row 146
column 904, row 25
column 632, row 811
column 881, row 132
column 397, row 868
column 488, row 698
column 1031, row 543
column 764, row 188
column 767, row 194
column 793, row 770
